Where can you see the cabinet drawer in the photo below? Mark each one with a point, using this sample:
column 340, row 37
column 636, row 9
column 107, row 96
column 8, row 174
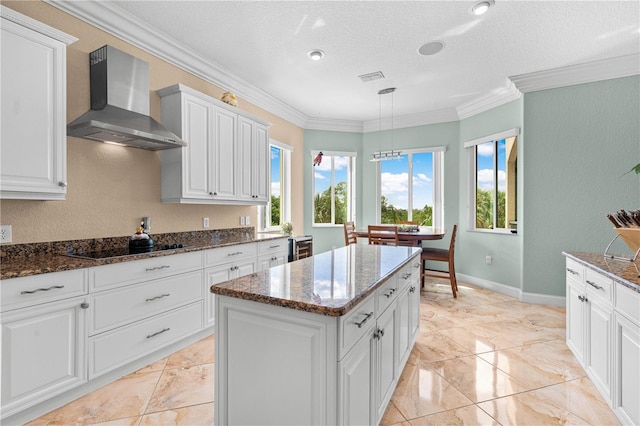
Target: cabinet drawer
column 410, row 273
column 110, row 350
column 43, row 288
column 230, row 254
column 120, row 274
column 574, row 270
column 387, row 294
column 272, row 246
column 355, row 324
column 598, row 285
column 628, row 302
column 119, row 307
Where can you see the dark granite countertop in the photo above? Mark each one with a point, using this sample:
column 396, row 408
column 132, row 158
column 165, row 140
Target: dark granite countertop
column 624, row 272
column 329, row 283
column 23, row 260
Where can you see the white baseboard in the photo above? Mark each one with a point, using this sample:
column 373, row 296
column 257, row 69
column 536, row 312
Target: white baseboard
column 534, row 298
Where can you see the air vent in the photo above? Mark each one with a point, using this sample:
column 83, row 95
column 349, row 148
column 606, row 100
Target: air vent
column 371, row 76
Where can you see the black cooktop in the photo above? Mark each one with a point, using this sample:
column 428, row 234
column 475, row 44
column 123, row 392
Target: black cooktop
column 123, row 251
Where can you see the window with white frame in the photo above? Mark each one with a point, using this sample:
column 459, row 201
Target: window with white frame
column 333, row 188
column 493, row 182
column 410, row 188
column 278, row 208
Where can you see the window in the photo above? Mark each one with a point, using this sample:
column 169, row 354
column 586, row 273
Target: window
column 493, row 182
column 334, row 188
column 278, row 208
column 410, row 188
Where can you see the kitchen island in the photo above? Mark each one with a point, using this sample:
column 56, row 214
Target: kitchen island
column 317, row 341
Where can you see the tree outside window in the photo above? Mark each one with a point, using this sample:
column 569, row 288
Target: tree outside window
column 333, row 189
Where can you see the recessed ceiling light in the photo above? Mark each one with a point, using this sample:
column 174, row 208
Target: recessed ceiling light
column 431, row 48
column 316, row 55
column 481, row 8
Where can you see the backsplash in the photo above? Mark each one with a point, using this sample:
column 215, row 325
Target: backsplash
column 213, row 237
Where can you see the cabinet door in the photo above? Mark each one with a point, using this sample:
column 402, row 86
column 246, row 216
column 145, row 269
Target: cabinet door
column 223, row 170
column 600, row 342
column 245, row 158
column 414, row 312
column 33, row 106
column 404, row 309
column 198, row 132
column 261, row 164
column 355, row 385
column 386, row 364
column 43, row 352
column 575, row 320
column 213, row 276
column 627, row 370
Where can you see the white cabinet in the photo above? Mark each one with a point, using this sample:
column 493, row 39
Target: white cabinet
column 272, row 253
column 385, row 359
column 226, row 157
column 33, row 135
column 590, row 324
column 43, row 351
column 253, row 143
column 627, row 370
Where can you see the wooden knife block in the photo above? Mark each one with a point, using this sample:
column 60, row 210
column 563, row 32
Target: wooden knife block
column 631, row 236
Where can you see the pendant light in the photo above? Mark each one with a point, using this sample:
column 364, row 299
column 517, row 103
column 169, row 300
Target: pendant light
column 385, row 155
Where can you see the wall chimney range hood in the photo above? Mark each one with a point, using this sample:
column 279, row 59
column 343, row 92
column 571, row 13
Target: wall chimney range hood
column 119, row 111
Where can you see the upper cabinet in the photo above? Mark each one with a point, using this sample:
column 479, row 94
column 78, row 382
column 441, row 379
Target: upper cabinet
column 226, row 158
column 33, row 139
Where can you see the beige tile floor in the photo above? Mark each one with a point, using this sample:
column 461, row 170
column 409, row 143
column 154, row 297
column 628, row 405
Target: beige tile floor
column 481, row 359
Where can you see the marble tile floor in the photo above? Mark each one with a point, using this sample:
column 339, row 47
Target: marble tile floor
column 481, row 359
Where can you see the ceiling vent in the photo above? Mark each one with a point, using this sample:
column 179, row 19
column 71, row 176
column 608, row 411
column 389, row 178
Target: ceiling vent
column 373, row 76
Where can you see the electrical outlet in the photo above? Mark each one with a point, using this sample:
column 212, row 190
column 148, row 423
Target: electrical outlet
column 205, row 222
column 241, row 220
column 488, row 260
column 247, row 221
column 5, row 233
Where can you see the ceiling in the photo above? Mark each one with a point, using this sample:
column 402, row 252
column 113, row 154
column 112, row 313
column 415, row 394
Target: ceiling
column 264, row 45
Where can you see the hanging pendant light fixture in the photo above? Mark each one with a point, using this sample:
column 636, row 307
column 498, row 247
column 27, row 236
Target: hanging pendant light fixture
column 385, row 155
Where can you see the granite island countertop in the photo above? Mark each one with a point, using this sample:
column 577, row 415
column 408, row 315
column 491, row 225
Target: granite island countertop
column 329, row 283
column 624, row 272
column 23, row 260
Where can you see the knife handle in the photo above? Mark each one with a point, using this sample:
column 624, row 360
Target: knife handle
column 613, row 220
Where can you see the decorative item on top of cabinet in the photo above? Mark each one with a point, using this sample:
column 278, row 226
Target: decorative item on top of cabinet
column 33, row 140
column 226, row 158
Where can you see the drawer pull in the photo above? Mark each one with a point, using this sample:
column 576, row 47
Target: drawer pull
column 155, row 268
column 366, row 318
column 406, row 276
column 388, row 295
column 592, row 284
column 272, row 247
column 158, row 297
column 149, row 336
column 234, row 253
column 572, row 271
column 41, row 289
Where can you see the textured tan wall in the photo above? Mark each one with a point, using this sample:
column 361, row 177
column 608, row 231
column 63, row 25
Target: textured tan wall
column 110, row 187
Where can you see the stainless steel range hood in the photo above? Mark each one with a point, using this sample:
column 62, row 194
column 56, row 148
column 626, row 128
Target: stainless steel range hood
column 120, row 104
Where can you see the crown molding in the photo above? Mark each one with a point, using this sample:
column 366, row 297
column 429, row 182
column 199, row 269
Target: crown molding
column 36, row 26
column 606, row 69
column 411, row 120
column 491, row 100
column 116, row 21
column 352, row 126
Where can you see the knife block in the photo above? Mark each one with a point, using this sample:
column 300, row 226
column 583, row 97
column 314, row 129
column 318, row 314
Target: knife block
column 631, row 236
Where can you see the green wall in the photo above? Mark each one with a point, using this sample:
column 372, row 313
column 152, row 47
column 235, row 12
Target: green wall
column 473, row 247
column 575, row 146
column 580, row 142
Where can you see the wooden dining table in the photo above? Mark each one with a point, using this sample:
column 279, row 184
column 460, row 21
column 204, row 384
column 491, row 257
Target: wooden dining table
column 422, row 234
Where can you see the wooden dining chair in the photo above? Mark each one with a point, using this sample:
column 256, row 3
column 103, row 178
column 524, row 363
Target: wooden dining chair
column 383, row 234
column 441, row 255
column 350, row 233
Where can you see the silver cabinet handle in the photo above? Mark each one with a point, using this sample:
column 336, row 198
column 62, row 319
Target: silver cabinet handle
column 572, row 271
column 388, row 295
column 234, row 268
column 406, row 276
column 84, row 305
column 366, row 318
column 592, row 284
column 41, row 289
column 412, row 289
column 235, row 253
column 62, row 184
column 149, row 336
column 272, row 247
column 155, row 268
column 158, row 297
column 378, row 334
